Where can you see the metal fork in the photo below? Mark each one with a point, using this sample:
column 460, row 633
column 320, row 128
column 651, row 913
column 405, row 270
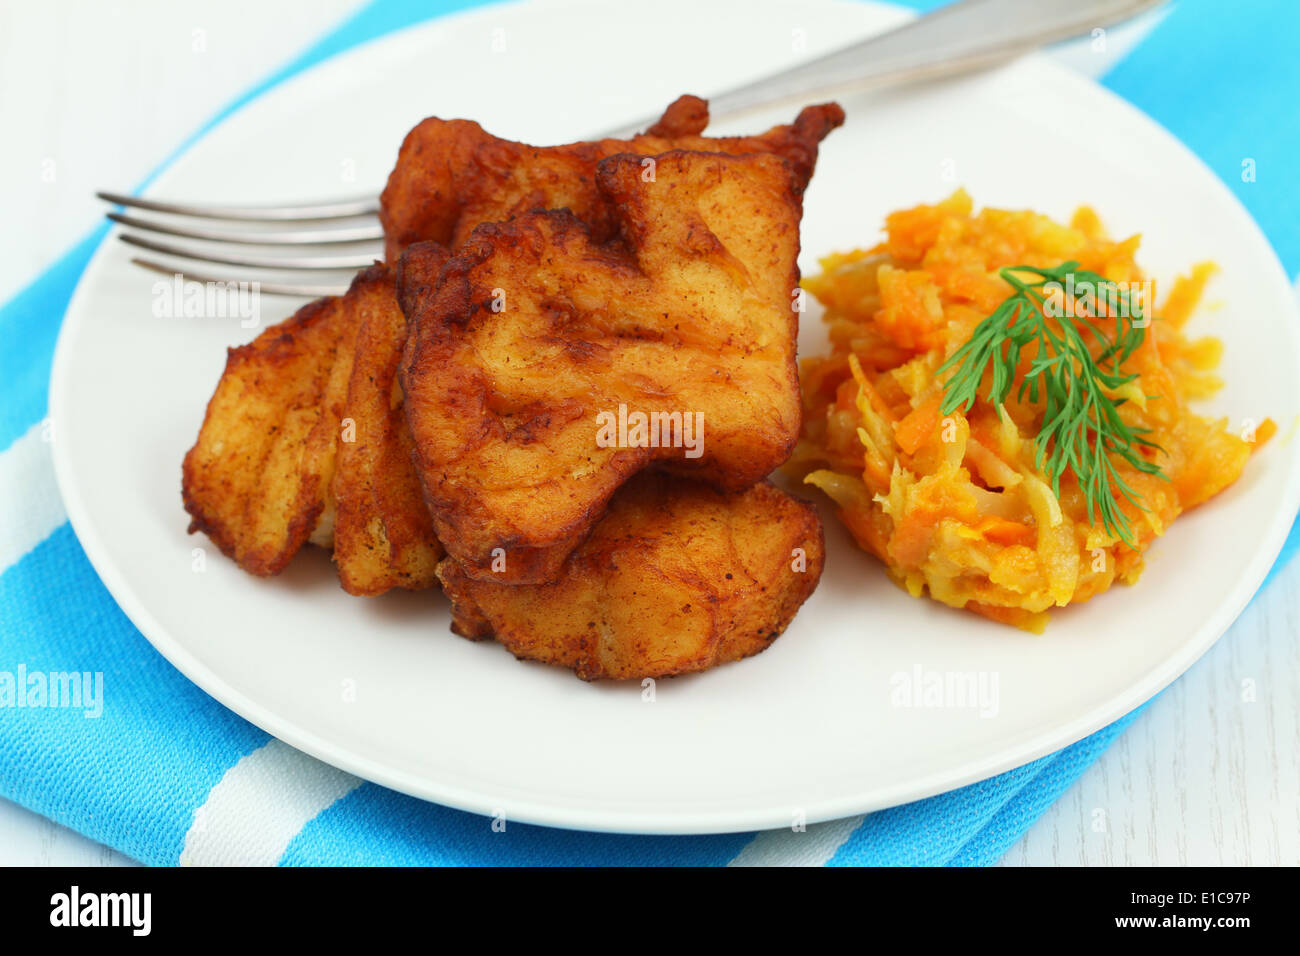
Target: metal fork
column 341, row 236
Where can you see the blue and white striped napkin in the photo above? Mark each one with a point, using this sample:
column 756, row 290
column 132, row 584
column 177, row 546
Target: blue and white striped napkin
column 166, row 775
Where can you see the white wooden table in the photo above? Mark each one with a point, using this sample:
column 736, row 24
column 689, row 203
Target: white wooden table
column 100, row 92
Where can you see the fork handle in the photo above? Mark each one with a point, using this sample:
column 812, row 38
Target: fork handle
column 962, row 36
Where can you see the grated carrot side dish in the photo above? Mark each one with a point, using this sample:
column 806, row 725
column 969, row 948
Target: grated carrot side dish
column 955, row 505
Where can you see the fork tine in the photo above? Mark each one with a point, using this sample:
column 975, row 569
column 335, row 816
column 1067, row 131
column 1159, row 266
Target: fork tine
column 339, row 209
column 270, row 288
column 259, row 262
column 292, row 237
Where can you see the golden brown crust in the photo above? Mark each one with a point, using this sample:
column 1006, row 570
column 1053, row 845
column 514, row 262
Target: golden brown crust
column 451, row 175
column 677, row 577
column 257, row 480
column 383, row 535
column 688, row 313
column 272, row 467
column 686, row 116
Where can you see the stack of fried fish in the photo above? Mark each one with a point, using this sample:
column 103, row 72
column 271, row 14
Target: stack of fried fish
column 438, row 422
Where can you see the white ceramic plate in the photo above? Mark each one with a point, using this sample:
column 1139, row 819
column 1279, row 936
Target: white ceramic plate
column 807, row 727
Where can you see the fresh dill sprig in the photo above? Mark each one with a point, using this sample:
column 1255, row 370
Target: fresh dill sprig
column 1082, row 428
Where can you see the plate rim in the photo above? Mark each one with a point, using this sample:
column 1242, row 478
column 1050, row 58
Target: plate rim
column 632, row 820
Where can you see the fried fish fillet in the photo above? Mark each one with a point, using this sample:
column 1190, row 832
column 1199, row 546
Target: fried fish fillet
column 383, row 533
column 677, row 577
column 303, row 441
column 451, row 175
column 258, row 479
column 534, row 331
column 269, row 471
